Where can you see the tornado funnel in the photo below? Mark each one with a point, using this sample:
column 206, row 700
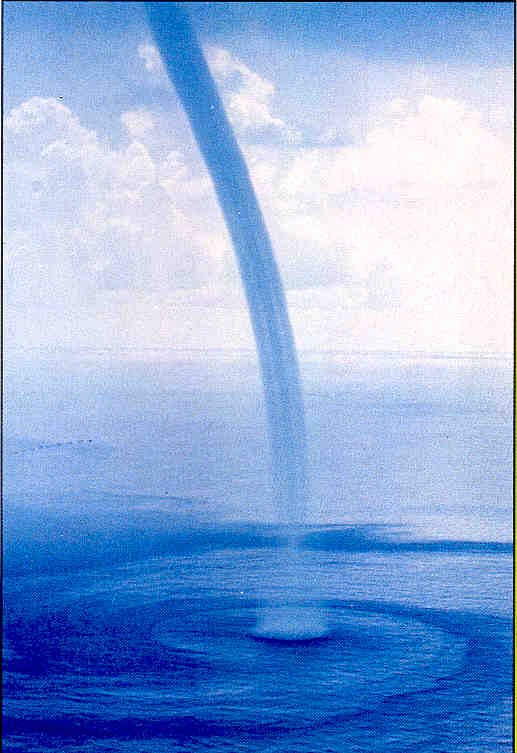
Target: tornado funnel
column 188, row 70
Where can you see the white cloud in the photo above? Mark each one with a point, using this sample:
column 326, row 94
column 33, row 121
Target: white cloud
column 403, row 240
column 137, row 122
column 37, row 112
column 135, row 169
column 397, row 106
column 416, row 219
column 151, row 57
column 247, row 96
column 442, row 143
column 97, row 219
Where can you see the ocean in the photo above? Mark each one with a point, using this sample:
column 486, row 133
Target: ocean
column 143, row 551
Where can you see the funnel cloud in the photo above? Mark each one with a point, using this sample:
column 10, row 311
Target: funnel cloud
column 188, row 70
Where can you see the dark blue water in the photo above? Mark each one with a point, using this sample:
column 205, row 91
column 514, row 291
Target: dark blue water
column 157, row 651
column 141, row 554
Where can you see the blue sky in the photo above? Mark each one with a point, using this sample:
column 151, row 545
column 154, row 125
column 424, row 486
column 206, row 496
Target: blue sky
column 378, row 137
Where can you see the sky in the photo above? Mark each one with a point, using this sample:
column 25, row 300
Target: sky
column 379, row 139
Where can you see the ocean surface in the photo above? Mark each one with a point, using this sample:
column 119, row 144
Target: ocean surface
column 144, row 553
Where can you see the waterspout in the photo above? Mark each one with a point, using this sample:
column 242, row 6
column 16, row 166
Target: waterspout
column 188, row 70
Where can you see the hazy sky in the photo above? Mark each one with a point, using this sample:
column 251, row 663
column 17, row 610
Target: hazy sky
column 379, row 140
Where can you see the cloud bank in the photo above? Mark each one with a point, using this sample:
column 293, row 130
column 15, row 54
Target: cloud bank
column 401, row 240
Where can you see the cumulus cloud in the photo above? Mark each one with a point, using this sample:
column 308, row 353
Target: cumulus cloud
column 440, row 143
column 137, row 122
column 37, row 112
column 420, row 211
column 97, row 218
column 151, row 57
column 247, row 95
column 401, row 240
column 155, row 73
